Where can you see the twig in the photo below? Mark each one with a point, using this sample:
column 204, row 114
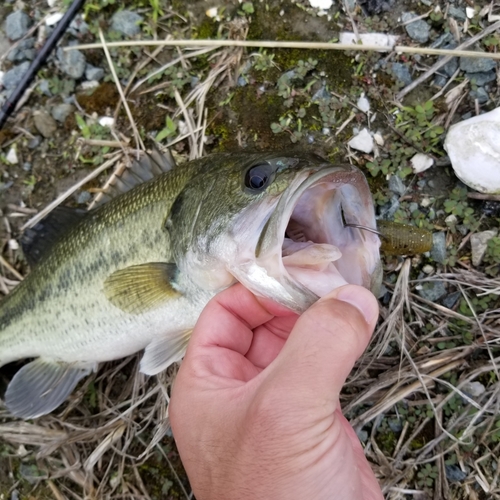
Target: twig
column 138, row 140
column 303, row 45
column 484, row 196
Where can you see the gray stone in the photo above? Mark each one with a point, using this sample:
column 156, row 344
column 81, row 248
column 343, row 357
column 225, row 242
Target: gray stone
column 17, row 24
column 395, row 425
column 396, row 185
column 35, row 142
column 44, row 87
column 441, row 40
column 26, row 166
column 440, row 81
column 44, row 123
column 477, row 65
column 457, row 13
column 126, row 22
column 83, row 197
column 78, row 27
column 362, row 435
column 432, row 290
column 24, row 50
column 12, row 78
column 438, row 251
column 450, row 67
column 479, row 244
column 72, row 62
column 93, row 73
column 61, row 111
column 454, row 474
column 480, row 94
column 450, row 300
column 401, row 72
column 417, row 30
column 483, row 78
column 474, row 389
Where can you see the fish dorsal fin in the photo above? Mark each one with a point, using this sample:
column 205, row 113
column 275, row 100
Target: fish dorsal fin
column 137, row 289
column 39, row 239
column 163, row 351
column 41, row 386
column 147, row 167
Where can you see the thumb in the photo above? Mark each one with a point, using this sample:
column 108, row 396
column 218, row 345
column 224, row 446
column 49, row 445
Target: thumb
column 324, row 345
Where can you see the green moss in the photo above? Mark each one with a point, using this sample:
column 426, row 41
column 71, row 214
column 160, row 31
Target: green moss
column 207, row 29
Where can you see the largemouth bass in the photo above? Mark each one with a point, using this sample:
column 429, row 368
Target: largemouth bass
column 136, row 272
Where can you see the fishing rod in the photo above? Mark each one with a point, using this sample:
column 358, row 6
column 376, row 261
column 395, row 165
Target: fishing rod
column 59, row 30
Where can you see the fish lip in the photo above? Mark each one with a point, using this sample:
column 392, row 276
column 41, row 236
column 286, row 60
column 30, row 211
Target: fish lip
column 268, row 250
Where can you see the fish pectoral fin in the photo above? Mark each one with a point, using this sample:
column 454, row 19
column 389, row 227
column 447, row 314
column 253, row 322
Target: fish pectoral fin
column 163, row 351
column 140, row 288
column 41, row 386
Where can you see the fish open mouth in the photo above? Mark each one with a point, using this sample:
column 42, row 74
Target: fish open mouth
column 317, row 252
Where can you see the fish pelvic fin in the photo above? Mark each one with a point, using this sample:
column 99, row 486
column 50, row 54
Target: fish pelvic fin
column 163, row 351
column 41, row 386
column 141, row 288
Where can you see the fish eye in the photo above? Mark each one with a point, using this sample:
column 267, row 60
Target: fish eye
column 258, row 177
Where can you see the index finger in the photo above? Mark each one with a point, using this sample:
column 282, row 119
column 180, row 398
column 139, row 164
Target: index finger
column 230, row 317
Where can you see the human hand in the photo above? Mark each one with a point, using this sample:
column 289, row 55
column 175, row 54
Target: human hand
column 255, row 406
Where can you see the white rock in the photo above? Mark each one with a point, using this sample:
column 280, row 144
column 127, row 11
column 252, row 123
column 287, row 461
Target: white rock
column 470, row 12
column 12, row 156
column 2, row 74
column 428, row 269
column 363, row 103
column 106, row 121
column 321, row 4
column 377, row 39
column 53, row 18
column 362, row 142
column 473, row 146
column 51, row 3
column 451, row 220
column 479, row 244
column 379, row 139
column 421, row 162
column 86, row 85
column 13, row 244
column 212, row 12
column 474, row 389
column 425, row 202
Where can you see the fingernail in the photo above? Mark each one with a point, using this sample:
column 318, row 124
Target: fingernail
column 361, row 298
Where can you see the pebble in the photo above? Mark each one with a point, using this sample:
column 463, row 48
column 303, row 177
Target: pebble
column 396, row 185
column 362, row 435
column 451, row 220
column 395, row 425
column 363, row 103
column 53, row 19
column 474, row 151
column 321, row 4
column 17, row 24
column 61, row 111
column 93, row 73
column 417, row 30
column 44, row 87
column 479, row 244
column 480, row 94
column 377, row 6
column 34, row 142
column 44, row 123
column 477, row 65
column 456, row 13
column 454, row 474
column 83, row 197
column 72, row 62
column 24, row 50
column 12, row 156
column 362, row 142
column 428, row 269
column 12, row 78
column 440, row 81
column 432, row 290
column 126, row 22
column 474, row 389
column 482, row 78
column 378, row 39
column 27, row 166
column 452, row 65
column 450, row 300
column 401, row 72
column 420, row 163
column 438, row 251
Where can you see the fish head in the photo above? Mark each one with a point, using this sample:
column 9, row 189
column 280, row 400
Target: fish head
column 276, row 223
